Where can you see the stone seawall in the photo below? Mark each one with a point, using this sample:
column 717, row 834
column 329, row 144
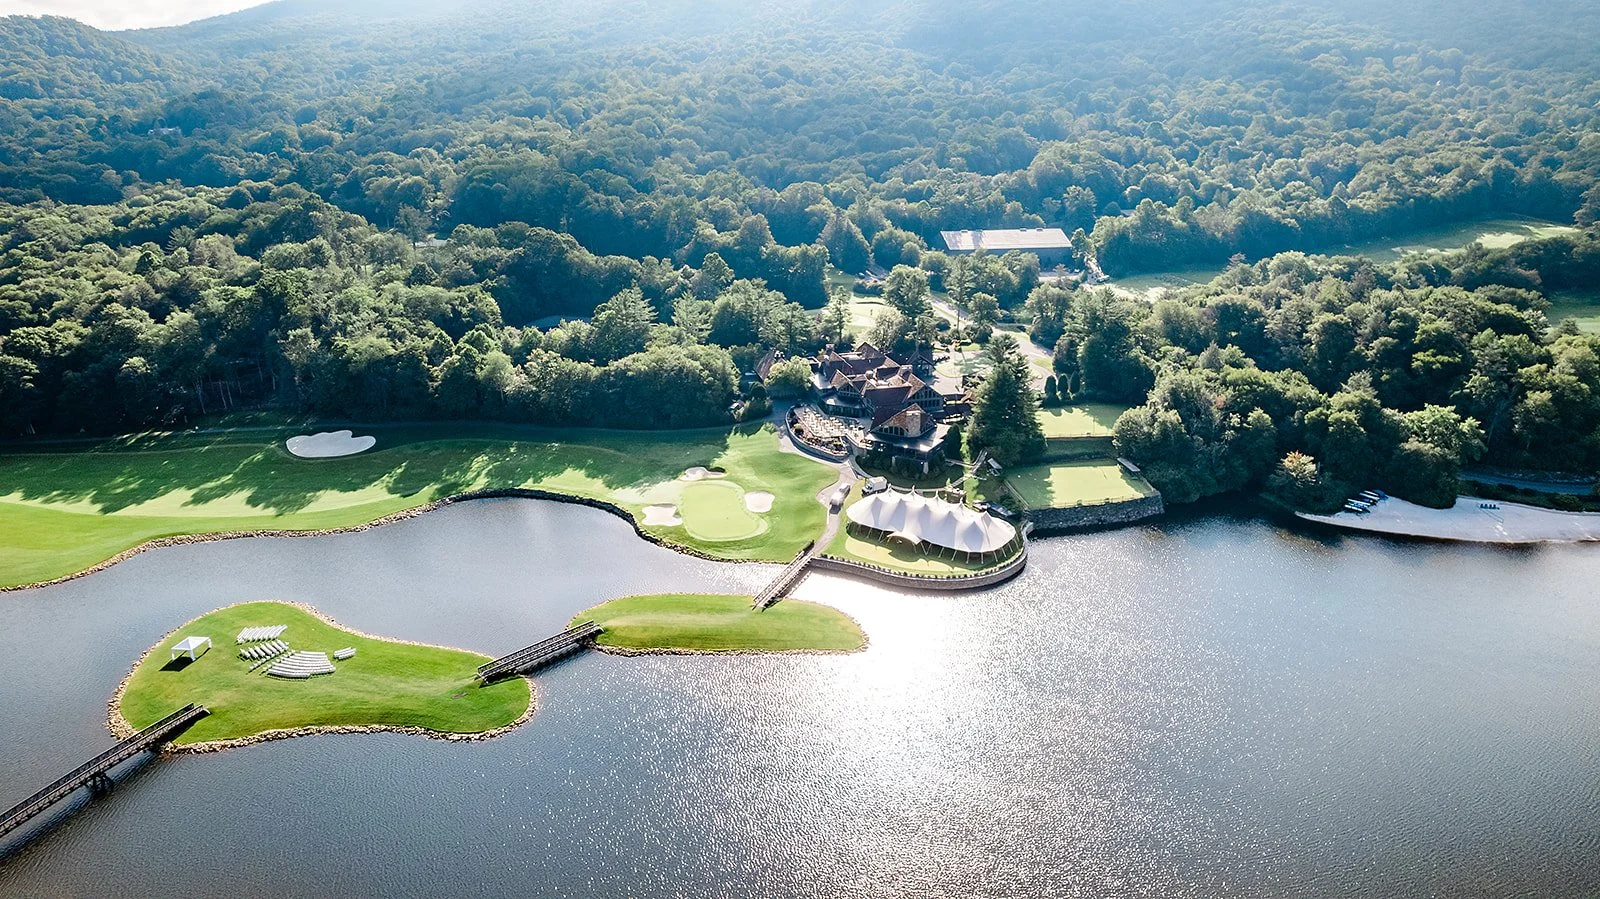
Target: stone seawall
column 924, row 582
column 403, row 515
column 1105, row 515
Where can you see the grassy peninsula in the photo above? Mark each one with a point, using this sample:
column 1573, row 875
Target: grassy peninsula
column 70, row 507
column 386, row 684
column 722, row 623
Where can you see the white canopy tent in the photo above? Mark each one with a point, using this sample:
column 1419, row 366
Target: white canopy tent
column 915, row 519
column 191, row 648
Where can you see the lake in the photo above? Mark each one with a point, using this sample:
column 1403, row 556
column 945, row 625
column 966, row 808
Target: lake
column 1209, row 707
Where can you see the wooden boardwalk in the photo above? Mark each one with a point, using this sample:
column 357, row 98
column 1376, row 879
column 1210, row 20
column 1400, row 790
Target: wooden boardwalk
column 542, row 653
column 95, row 773
column 787, row 578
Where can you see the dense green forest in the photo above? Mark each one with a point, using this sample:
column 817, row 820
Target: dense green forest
column 383, row 209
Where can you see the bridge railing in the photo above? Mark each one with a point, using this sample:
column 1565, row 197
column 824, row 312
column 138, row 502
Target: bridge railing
column 147, row 738
column 539, row 652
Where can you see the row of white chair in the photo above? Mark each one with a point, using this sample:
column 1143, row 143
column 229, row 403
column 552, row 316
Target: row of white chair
column 259, row 634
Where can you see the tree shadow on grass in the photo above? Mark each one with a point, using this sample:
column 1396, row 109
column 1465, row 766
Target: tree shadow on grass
column 424, row 463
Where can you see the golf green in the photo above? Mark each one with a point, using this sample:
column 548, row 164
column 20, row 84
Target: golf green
column 66, row 508
column 714, row 511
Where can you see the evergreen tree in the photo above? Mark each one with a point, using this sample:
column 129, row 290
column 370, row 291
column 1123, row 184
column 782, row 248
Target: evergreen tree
column 1005, row 415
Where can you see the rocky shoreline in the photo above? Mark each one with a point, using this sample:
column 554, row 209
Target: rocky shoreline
column 121, row 729
column 403, row 515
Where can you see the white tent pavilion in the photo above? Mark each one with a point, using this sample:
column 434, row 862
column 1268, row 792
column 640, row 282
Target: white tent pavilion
column 191, row 648
column 933, row 525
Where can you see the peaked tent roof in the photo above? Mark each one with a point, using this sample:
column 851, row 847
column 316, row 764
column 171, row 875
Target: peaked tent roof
column 921, row 519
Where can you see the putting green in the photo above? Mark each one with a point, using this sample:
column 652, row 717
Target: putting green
column 714, row 511
column 68, row 507
column 387, row 684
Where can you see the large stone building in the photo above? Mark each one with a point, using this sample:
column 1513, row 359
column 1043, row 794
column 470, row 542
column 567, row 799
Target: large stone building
column 906, row 409
column 1051, row 245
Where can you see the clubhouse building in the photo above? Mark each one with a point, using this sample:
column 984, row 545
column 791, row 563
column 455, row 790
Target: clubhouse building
column 907, row 411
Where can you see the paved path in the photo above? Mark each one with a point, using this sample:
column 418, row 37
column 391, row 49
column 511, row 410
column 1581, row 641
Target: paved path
column 1030, row 350
column 1569, row 488
column 1471, row 520
column 831, row 530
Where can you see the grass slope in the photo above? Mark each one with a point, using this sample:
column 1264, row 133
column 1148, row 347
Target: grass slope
column 722, row 623
column 68, row 509
column 387, row 683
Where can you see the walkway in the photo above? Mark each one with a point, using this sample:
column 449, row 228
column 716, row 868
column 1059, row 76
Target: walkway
column 1577, row 487
column 95, row 773
column 1030, row 350
column 795, row 570
column 540, row 654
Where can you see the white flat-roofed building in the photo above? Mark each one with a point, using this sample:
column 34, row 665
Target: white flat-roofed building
column 1051, row 245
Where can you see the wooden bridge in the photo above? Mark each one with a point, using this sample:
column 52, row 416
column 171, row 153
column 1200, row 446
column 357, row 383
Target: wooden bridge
column 95, row 773
column 787, row 578
column 542, row 653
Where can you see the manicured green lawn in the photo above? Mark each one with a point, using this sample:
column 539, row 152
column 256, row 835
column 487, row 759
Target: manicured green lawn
column 1581, row 305
column 387, row 683
column 1081, row 420
column 73, row 506
column 864, row 312
column 714, row 511
column 711, row 623
column 1065, row 484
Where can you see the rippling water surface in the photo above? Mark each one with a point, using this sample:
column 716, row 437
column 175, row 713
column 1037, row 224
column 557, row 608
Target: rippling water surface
column 1213, row 707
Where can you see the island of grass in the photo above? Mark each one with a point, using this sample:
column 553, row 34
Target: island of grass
column 386, row 685
column 70, row 507
column 721, row 623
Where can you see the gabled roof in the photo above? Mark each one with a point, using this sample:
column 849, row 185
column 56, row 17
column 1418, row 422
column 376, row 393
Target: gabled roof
column 912, row 420
column 764, row 367
column 922, row 519
column 1005, row 239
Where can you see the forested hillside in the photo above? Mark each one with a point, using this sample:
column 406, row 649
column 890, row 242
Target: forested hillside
column 361, row 208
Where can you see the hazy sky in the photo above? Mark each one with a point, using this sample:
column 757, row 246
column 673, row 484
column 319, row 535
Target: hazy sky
column 112, row 14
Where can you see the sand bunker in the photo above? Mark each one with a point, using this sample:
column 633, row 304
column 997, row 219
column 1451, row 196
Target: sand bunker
column 329, row 445
column 663, row 515
column 701, row 474
column 758, row 502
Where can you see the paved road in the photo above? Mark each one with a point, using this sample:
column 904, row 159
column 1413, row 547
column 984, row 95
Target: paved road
column 1568, row 488
column 1029, row 349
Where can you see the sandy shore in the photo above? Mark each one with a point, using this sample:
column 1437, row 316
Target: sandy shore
column 1470, row 522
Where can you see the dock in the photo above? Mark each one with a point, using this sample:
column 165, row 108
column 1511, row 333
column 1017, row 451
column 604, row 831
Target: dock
column 96, row 772
column 550, row 649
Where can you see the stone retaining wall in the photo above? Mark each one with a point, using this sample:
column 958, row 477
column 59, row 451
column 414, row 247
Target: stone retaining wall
column 922, row 581
column 1105, row 515
column 811, row 449
column 403, row 515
